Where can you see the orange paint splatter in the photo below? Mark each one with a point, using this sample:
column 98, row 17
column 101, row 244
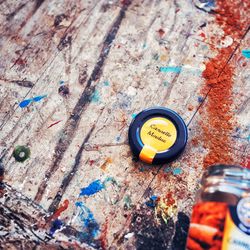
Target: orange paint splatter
column 218, row 120
column 105, row 164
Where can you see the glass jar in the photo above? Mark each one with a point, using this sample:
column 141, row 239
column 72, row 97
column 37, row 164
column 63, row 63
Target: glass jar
column 221, row 215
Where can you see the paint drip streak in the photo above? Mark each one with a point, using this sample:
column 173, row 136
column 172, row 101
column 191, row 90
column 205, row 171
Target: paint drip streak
column 67, row 179
column 218, row 120
column 73, row 121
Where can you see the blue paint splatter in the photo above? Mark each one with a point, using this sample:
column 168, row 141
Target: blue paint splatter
column 90, row 226
column 152, row 201
column 177, row 171
column 95, row 96
column 61, row 82
column 144, row 46
column 93, row 188
column 133, row 115
column 39, row 98
column 176, row 69
column 106, row 83
column 27, row 102
column 167, row 170
column 248, row 138
column 246, row 53
column 118, row 138
column 200, row 99
column 56, row 224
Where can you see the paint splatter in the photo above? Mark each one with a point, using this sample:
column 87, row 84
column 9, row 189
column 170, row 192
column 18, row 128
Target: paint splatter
column 161, row 32
column 51, row 125
column 21, row 153
column 63, row 90
column 170, row 69
column 89, row 225
column 56, row 225
column 95, row 96
column 152, row 201
column 61, row 82
column 246, row 53
column 93, row 188
column 106, row 83
column 144, row 46
column 167, row 169
column 200, row 99
column 166, row 207
column 106, row 163
column 155, row 57
column 133, row 115
column 27, row 102
column 127, row 202
column 177, row 171
column 165, row 83
column 58, row 212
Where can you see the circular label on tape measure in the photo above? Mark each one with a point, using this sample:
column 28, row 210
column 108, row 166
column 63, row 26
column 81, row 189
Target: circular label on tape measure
column 159, row 133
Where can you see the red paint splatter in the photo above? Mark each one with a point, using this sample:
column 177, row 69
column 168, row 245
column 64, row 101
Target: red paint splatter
column 218, row 120
column 20, row 61
column 58, row 212
column 103, row 238
column 161, row 32
column 203, row 36
column 51, row 125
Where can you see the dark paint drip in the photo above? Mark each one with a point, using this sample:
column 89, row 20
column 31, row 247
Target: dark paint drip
column 11, row 15
column 72, row 123
column 65, row 41
column 67, row 179
column 59, row 19
column 38, row 4
column 63, row 90
column 24, row 83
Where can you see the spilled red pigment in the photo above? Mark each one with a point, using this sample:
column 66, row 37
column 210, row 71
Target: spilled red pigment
column 58, row 212
column 218, row 120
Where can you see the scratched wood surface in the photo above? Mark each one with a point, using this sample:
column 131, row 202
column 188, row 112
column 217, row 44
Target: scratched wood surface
column 95, row 64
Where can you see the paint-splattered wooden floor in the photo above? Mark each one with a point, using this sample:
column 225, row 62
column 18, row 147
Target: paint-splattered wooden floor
column 72, row 76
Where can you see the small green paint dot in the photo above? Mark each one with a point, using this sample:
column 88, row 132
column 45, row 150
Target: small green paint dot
column 21, row 153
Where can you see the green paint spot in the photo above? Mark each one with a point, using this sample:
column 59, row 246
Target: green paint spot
column 95, row 96
column 21, row 153
column 110, row 179
column 127, row 202
column 156, row 57
column 106, row 83
column 165, row 83
column 144, row 46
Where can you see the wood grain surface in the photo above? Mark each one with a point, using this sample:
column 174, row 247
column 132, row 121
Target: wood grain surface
column 93, row 65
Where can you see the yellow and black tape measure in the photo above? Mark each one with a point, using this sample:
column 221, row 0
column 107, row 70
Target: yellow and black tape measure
column 157, row 135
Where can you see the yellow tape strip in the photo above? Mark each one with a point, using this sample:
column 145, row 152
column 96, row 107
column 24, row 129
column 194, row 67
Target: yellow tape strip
column 147, row 154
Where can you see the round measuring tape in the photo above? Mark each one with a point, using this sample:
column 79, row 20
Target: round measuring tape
column 157, row 135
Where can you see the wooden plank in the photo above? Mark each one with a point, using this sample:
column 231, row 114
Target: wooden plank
column 98, row 67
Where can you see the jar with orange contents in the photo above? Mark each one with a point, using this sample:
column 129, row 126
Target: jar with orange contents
column 221, row 216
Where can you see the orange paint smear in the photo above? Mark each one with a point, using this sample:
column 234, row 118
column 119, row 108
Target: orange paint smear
column 218, row 121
